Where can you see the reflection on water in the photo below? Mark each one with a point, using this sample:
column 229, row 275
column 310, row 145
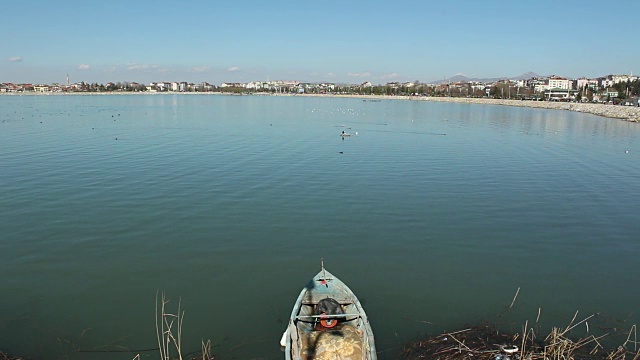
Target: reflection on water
column 434, row 214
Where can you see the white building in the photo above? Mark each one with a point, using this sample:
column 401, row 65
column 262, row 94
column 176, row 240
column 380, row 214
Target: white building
column 256, row 85
column 41, row 88
column 623, row 78
column 541, row 87
column 160, row 86
column 584, row 82
column 224, row 85
column 557, row 82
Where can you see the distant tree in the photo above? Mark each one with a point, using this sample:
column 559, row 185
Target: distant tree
column 494, row 92
column 579, row 95
column 390, row 90
column 635, row 87
column 499, row 91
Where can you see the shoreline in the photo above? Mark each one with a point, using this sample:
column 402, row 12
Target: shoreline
column 625, row 113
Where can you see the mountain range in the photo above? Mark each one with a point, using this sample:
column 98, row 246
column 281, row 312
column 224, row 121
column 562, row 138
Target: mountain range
column 464, row 78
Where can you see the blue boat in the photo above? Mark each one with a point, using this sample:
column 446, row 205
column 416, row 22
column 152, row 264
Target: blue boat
column 328, row 322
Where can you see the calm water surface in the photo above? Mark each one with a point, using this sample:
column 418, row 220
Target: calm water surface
column 434, row 214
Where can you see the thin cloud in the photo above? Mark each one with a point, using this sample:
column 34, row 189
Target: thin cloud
column 359, row 75
column 15, row 59
column 200, row 69
column 84, row 67
column 141, row 66
column 233, row 69
column 390, row 76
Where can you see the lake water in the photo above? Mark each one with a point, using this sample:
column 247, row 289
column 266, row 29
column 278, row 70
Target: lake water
column 434, row 214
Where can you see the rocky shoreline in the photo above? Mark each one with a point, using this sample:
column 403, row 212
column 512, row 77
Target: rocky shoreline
column 627, row 113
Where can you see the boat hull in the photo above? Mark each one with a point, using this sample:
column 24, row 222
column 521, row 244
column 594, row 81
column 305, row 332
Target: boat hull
column 306, row 338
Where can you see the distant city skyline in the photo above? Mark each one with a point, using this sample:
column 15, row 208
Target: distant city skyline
column 330, row 41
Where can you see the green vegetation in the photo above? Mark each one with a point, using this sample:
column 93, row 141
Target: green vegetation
column 627, row 89
column 501, row 89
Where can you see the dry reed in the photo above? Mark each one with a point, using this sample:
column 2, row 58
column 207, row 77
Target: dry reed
column 169, row 333
column 488, row 343
column 166, row 325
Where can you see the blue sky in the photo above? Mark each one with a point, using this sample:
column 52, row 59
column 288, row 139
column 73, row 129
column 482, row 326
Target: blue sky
column 334, row 41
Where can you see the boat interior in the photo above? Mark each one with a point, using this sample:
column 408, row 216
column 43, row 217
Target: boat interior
column 344, row 337
column 308, row 318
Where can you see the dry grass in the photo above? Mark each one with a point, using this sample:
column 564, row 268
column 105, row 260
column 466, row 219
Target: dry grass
column 206, row 350
column 4, row 356
column 168, row 329
column 169, row 332
column 488, row 343
column 485, row 342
